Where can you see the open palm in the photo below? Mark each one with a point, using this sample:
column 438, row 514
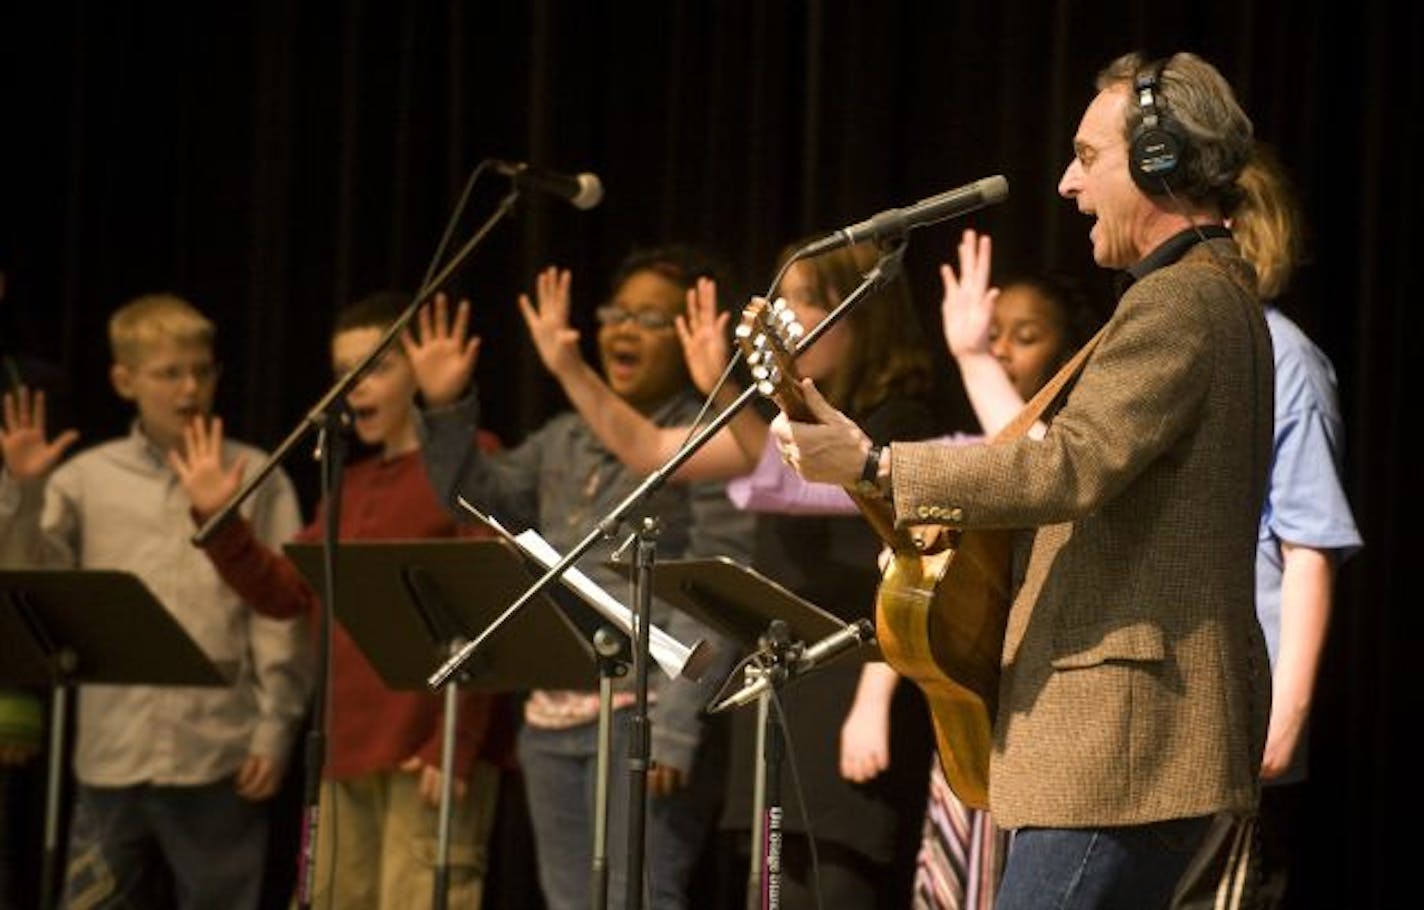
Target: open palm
column 442, row 357
column 548, row 322
column 28, row 455
column 968, row 305
column 200, row 469
column 703, row 334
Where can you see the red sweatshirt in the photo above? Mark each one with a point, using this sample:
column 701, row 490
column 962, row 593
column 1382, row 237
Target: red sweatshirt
column 372, row 728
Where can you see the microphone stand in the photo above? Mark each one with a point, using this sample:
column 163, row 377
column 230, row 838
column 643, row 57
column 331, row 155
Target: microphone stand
column 323, row 416
column 639, row 746
column 885, row 268
column 784, row 660
column 764, row 878
column 606, row 647
column 331, row 453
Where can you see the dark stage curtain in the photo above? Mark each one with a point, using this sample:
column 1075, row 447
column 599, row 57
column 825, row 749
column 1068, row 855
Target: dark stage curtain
column 273, row 160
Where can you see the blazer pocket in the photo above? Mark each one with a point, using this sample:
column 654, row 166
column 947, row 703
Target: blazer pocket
column 1139, row 641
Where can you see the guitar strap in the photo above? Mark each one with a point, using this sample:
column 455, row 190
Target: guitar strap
column 1049, row 395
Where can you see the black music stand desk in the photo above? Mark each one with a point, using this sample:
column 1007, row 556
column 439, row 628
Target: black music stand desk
column 65, row 627
column 409, row 605
column 403, row 601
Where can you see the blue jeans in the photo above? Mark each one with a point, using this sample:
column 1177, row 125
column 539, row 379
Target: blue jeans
column 1133, row 867
column 560, row 771
column 205, row 844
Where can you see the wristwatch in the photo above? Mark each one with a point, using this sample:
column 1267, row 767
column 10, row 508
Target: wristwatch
column 869, row 482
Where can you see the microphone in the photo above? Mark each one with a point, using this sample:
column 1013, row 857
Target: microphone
column 896, row 222
column 847, row 638
column 583, row 190
column 853, row 635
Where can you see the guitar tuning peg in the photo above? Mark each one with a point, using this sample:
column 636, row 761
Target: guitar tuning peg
column 766, row 388
column 743, row 330
column 760, row 372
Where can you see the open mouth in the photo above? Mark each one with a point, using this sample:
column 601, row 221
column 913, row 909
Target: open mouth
column 362, row 419
column 623, row 363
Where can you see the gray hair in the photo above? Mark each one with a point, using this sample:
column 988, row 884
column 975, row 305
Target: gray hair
column 1194, row 95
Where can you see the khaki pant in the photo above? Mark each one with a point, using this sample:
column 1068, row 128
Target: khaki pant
column 385, row 839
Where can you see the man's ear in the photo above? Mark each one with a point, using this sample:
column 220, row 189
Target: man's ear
column 122, row 378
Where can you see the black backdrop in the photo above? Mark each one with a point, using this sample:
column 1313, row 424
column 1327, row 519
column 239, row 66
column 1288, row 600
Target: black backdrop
column 272, row 160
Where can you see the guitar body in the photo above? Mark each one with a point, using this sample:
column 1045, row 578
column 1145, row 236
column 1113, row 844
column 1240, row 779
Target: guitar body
column 940, row 618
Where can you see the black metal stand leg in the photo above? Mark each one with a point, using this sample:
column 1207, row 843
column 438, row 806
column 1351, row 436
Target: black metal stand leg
column 639, row 748
column 764, row 877
column 756, row 876
column 605, row 645
column 50, row 869
column 441, row 897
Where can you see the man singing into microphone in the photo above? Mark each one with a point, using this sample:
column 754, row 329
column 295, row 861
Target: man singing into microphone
column 1135, row 686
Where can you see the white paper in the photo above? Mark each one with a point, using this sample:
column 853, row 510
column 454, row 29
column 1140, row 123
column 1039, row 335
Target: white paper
column 668, row 652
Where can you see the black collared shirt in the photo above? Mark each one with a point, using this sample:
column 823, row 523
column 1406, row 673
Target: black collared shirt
column 1167, row 252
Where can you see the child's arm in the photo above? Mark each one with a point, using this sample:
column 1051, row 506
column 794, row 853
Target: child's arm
column 967, row 309
column 38, row 520
column 443, row 359
column 281, row 652
column 265, row 580
column 243, row 553
column 1307, row 579
column 865, row 735
column 637, row 441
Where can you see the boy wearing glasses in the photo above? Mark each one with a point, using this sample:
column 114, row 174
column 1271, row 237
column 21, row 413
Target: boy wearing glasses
column 171, row 781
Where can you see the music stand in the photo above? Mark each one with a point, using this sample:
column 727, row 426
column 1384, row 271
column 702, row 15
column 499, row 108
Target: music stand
column 758, row 614
column 409, row 601
column 65, row 627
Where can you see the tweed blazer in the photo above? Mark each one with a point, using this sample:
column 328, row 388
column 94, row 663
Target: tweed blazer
column 1135, row 682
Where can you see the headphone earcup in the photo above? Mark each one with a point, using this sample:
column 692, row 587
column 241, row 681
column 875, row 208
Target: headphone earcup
column 1155, row 158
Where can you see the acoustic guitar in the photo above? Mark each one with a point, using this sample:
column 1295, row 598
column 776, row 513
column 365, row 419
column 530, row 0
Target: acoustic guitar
column 943, row 599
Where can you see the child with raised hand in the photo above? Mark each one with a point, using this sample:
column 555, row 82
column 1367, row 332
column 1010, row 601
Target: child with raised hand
column 381, row 786
column 560, row 480
column 171, row 780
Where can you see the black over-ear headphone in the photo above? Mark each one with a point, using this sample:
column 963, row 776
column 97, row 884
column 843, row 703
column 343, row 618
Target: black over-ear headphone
column 1158, row 146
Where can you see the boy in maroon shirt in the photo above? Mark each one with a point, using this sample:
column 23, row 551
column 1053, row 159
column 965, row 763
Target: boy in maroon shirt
column 380, row 793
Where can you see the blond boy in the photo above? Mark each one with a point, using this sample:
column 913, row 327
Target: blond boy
column 171, row 781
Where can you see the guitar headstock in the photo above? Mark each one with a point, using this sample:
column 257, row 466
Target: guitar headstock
column 768, row 334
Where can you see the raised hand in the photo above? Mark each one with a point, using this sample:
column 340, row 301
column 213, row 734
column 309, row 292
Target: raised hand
column 703, row 333
column 442, row 357
column 548, row 323
column 968, row 305
column 199, row 466
column 28, row 456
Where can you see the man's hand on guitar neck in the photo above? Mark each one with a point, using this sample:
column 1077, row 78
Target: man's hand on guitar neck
column 832, row 450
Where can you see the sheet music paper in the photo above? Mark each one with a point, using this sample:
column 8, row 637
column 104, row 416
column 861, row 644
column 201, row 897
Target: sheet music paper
column 669, row 653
